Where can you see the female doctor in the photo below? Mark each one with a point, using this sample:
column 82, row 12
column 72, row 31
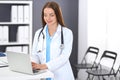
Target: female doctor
column 52, row 44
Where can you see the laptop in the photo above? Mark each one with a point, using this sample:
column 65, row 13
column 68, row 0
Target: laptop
column 20, row 62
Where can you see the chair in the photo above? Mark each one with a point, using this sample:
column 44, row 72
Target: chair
column 108, row 59
column 87, row 63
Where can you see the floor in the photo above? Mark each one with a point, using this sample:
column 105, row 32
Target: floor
column 82, row 75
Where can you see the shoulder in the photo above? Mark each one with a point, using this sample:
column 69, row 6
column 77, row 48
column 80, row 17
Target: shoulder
column 67, row 34
column 38, row 32
column 67, row 30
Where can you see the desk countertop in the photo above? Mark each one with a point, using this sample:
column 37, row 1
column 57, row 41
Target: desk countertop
column 6, row 74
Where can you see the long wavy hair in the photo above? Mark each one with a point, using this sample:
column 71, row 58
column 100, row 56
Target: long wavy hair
column 57, row 11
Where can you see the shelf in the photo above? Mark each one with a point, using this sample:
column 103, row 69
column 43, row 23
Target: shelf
column 13, row 44
column 11, row 23
column 16, row 25
column 16, row 2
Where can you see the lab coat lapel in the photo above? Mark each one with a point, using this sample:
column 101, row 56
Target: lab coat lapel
column 58, row 32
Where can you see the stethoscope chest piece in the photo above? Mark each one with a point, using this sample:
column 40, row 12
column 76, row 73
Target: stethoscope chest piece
column 62, row 46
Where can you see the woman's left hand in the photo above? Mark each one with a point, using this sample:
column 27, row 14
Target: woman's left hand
column 39, row 66
column 35, row 66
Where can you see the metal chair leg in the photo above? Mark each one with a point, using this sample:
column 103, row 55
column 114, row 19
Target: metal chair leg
column 88, row 78
column 99, row 77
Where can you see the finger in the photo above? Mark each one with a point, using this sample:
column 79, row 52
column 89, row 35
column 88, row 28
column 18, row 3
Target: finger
column 34, row 66
column 33, row 62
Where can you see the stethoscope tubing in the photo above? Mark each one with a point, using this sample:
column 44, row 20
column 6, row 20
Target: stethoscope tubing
column 62, row 39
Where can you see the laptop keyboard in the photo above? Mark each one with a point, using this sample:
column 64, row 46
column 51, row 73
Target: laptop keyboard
column 35, row 71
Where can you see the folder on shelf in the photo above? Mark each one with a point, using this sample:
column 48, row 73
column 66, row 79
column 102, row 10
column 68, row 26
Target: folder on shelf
column 14, row 13
column 20, row 35
column 26, row 33
column 25, row 49
column 23, row 34
column 1, row 34
column 20, row 13
column 26, row 13
column 14, row 48
column 5, row 34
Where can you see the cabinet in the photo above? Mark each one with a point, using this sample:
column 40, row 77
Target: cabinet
column 16, row 25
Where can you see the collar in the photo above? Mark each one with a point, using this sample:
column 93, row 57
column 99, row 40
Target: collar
column 57, row 31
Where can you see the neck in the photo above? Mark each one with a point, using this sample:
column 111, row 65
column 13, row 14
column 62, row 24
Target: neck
column 52, row 29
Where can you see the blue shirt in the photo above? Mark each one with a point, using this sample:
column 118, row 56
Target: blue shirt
column 48, row 41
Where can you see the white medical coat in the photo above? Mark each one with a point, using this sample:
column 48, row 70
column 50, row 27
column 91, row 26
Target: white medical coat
column 59, row 62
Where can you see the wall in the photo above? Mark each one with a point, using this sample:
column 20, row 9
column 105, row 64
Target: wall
column 70, row 14
column 104, row 26
column 82, row 42
column 99, row 26
column 82, row 25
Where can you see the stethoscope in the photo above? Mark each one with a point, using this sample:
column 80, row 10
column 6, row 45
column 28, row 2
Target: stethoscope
column 62, row 39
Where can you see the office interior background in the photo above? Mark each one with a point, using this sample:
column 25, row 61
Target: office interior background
column 93, row 22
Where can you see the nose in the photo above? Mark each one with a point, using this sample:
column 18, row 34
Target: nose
column 48, row 17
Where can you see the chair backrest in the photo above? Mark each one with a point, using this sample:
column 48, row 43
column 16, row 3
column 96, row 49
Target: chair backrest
column 107, row 60
column 91, row 52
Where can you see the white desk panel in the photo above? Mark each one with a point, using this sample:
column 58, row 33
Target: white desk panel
column 6, row 74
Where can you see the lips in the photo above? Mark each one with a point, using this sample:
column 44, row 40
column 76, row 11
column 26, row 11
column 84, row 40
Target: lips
column 49, row 21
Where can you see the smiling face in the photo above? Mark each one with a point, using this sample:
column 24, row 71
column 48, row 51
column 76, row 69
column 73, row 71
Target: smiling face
column 50, row 17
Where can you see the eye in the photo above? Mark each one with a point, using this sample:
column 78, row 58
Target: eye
column 45, row 15
column 52, row 15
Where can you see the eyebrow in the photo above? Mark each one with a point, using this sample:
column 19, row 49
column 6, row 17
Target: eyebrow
column 50, row 13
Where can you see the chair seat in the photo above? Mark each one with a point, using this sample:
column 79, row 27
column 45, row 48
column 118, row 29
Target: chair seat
column 102, row 72
column 85, row 66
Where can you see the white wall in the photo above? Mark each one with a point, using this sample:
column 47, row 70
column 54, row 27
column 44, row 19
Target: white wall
column 82, row 26
column 104, row 24
column 82, row 36
column 99, row 25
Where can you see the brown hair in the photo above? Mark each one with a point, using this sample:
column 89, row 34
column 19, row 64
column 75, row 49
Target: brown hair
column 57, row 11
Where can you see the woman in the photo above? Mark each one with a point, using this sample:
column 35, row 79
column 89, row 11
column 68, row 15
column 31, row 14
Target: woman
column 48, row 53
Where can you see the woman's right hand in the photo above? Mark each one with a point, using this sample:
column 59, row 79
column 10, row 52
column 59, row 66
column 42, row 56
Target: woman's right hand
column 39, row 66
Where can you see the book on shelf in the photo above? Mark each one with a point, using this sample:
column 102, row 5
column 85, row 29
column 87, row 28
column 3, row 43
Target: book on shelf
column 14, row 13
column 4, row 34
column 14, row 48
column 23, row 34
column 20, row 13
column 1, row 34
column 26, row 13
column 23, row 49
